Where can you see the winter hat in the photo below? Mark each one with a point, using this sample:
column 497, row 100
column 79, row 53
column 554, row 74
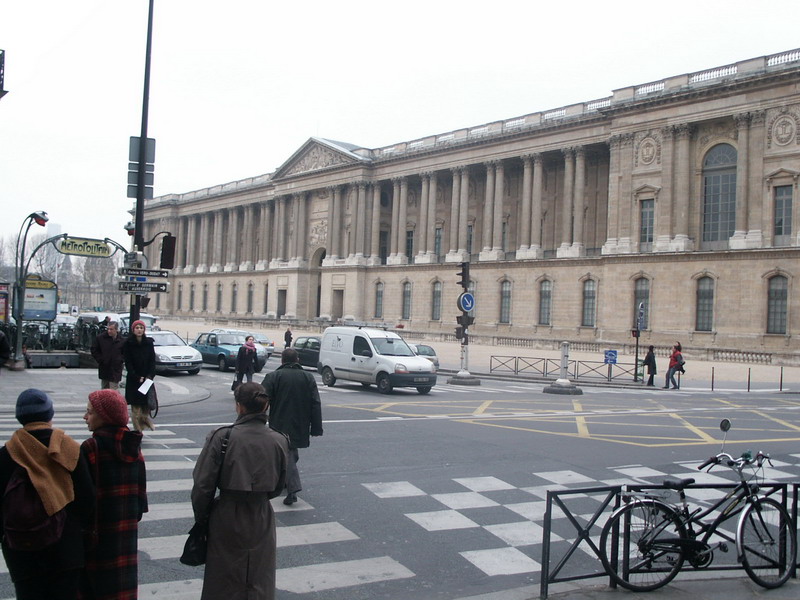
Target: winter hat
column 110, row 407
column 34, row 405
column 138, row 322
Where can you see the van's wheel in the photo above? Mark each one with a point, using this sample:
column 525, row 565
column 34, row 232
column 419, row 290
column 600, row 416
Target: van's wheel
column 384, row 385
column 424, row 389
column 222, row 364
column 327, row 377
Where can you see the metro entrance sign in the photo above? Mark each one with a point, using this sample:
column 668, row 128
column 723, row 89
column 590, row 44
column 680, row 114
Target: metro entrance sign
column 142, row 287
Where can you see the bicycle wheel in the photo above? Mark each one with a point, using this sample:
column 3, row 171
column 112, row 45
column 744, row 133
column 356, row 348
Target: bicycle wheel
column 766, row 543
column 640, row 545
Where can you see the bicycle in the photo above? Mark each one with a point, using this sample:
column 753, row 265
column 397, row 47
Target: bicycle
column 654, row 538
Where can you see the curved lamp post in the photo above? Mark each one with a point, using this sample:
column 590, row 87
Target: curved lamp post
column 20, row 275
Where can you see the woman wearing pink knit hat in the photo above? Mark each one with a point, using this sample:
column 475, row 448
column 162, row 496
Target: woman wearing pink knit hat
column 140, row 363
column 115, row 460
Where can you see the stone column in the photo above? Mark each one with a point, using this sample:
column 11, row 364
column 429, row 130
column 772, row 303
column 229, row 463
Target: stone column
column 202, row 251
column 497, row 213
column 430, row 226
column 216, row 261
column 681, row 196
column 361, row 220
column 535, row 250
column 375, row 233
column 756, row 208
column 579, row 210
column 422, row 218
column 567, row 203
column 264, row 237
column 488, row 211
column 336, row 231
column 394, row 243
column 625, row 243
column 611, row 245
column 455, row 194
column 666, row 200
column 463, row 214
column 301, row 201
column 401, row 230
column 189, row 244
column 742, row 121
column 234, row 240
column 281, row 224
column 249, row 240
column 525, row 211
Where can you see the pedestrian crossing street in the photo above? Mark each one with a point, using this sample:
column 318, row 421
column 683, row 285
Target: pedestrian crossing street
column 505, row 519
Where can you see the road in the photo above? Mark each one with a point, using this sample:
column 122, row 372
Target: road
column 441, row 496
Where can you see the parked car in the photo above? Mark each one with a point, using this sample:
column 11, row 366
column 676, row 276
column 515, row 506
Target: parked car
column 426, row 352
column 308, row 350
column 260, row 338
column 221, row 349
column 373, row 356
column 173, row 354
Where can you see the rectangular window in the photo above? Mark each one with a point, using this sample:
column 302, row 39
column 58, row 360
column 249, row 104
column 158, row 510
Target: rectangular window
column 406, row 301
column 545, row 299
column 379, row 301
column 409, row 244
column 470, row 232
column 436, row 302
column 589, row 303
column 437, row 242
column 383, row 246
column 783, row 215
column 719, row 206
column 777, row 302
column 505, row 302
column 646, row 220
column 704, row 320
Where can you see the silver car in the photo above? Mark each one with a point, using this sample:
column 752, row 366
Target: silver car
column 173, row 354
column 426, row 352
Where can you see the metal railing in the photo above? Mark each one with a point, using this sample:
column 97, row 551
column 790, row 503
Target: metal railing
column 551, row 367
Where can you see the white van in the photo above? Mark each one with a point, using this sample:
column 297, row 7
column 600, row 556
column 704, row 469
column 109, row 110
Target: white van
column 373, row 356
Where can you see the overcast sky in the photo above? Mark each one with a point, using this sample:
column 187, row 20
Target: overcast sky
column 238, row 85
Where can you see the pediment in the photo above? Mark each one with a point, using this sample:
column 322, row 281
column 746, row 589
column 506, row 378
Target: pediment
column 318, row 154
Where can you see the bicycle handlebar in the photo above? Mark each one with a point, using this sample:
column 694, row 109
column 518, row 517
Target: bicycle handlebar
column 736, row 463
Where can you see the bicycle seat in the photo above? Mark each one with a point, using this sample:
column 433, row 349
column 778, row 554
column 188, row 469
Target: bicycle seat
column 673, row 483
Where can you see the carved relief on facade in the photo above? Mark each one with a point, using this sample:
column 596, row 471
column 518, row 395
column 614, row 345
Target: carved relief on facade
column 318, row 236
column 648, row 149
column 709, row 134
column 316, row 158
column 783, row 128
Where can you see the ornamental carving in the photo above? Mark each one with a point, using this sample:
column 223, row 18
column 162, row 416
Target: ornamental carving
column 715, row 132
column 318, row 234
column 783, row 128
column 648, row 151
column 316, row 158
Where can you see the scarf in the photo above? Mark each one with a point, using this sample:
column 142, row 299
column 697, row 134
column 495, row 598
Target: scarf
column 250, row 345
column 49, row 467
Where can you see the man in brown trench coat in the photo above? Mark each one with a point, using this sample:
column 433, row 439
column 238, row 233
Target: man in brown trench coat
column 240, row 564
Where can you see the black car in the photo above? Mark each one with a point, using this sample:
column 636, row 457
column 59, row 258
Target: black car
column 308, row 349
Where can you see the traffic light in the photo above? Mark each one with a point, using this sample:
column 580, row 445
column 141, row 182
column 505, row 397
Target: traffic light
column 459, row 333
column 168, row 252
column 463, row 275
column 465, row 320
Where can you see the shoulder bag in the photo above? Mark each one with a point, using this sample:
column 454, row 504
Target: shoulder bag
column 196, row 547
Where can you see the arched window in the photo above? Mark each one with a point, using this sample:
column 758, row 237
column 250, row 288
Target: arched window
column 205, row 297
column 219, row 297
column 234, row 296
column 704, row 319
column 641, row 293
column 407, row 300
column 249, row 297
column 379, row 300
column 191, row 297
column 719, row 195
column 180, row 296
column 505, row 302
column 589, row 303
column 777, row 304
column 436, row 302
column 545, row 301
column 266, row 297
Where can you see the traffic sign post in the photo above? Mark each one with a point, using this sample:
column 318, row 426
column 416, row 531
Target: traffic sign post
column 142, row 287
column 610, row 358
column 142, row 272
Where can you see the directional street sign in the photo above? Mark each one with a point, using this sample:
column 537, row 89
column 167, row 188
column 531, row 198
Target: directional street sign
column 142, row 287
column 466, row 302
column 610, row 357
column 143, row 272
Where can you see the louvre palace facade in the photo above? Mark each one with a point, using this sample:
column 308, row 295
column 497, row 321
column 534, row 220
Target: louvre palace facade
column 676, row 195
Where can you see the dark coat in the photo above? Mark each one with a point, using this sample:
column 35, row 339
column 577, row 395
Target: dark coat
column 240, row 564
column 140, row 361
column 107, row 351
column 650, row 362
column 5, row 348
column 287, row 338
column 294, row 405
column 246, row 360
column 68, row 552
column 115, row 460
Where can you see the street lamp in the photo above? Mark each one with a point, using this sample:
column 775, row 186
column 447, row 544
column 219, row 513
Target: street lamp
column 20, row 275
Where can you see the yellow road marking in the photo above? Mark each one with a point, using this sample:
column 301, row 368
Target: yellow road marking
column 482, row 408
column 778, row 421
column 580, row 421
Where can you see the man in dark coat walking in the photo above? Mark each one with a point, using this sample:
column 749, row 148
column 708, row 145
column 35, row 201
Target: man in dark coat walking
column 107, row 351
column 295, row 410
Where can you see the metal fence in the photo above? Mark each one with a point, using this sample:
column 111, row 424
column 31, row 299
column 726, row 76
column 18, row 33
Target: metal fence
column 549, row 368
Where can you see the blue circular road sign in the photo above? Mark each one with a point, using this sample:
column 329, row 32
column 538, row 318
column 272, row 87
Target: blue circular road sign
column 466, row 302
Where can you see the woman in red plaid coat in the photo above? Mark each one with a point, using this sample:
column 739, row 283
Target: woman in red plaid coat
column 116, row 463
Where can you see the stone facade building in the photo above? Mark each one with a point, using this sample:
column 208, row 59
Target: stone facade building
column 678, row 195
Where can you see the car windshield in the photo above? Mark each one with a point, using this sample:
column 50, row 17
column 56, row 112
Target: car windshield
column 230, row 339
column 391, row 346
column 166, row 338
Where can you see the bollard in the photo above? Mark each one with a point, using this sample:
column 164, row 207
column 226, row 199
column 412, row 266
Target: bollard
column 712, row 379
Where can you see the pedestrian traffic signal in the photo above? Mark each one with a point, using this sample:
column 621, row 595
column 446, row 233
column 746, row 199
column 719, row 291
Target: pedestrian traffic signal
column 463, row 275
column 459, row 333
column 465, row 320
column 168, row 252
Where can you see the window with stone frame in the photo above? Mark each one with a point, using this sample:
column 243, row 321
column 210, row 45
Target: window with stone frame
column 704, row 317
column 719, row 196
column 234, row 297
column 437, row 242
column 410, row 243
column 266, row 297
column 505, row 302
column 470, row 235
column 436, row 301
column 179, row 301
column 545, row 301
column 782, row 229
column 777, row 304
column 406, row 300
column 205, row 297
column 250, row 298
column 646, row 224
column 641, row 296
column 219, row 297
column 589, row 303
column 378, row 300
column 383, row 246
column 191, row 297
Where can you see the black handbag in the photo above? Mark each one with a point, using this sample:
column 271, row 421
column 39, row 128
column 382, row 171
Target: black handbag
column 196, row 547
column 235, row 384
